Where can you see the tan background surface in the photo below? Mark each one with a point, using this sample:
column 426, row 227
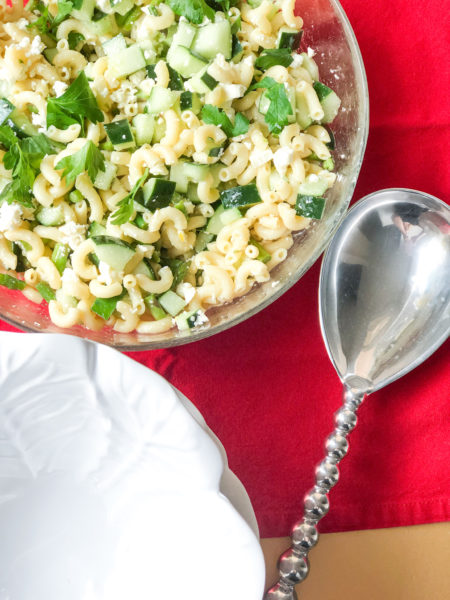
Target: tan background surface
column 405, row 563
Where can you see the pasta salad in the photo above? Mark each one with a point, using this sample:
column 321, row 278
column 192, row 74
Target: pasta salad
column 156, row 158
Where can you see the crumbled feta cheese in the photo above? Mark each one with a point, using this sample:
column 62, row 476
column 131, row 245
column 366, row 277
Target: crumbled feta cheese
column 311, row 53
column 313, row 178
column 189, row 206
column 258, row 158
column 282, row 159
column 74, row 234
column 59, row 87
column 186, row 290
column 107, row 275
column 200, row 318
column 104, row 5
column 37, row 46
column 297, row 60
column 233, row 90
column 247, row 143
column 22, row 24
column 69, row 276
column 10, row 216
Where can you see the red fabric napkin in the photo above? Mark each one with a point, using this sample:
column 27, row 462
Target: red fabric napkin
column 267, row 387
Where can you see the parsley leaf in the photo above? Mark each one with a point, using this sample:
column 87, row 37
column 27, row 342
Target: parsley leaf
column 279, row 109
column 194, row 10
column 46, row 22
column 19, row 190
column 211, row 115
column 7, row 137
column 89, row 159
column 125, row 208
column 77, row 102
column 272, row 57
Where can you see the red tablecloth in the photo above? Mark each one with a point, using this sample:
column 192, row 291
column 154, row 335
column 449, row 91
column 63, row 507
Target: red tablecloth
column 267, row 388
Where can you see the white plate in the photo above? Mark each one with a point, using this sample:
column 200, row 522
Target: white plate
column 109, row 488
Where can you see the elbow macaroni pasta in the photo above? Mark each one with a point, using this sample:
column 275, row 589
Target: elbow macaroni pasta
column 107, row 271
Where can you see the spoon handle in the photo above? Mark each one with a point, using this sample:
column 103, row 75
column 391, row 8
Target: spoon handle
column 293, row 564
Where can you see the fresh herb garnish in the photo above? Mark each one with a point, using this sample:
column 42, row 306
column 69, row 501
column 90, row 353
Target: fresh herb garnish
column 193, row 10
column 89, row 159
column 272, row 57
column 212, row 115
column 74, row 38
column 7, row 137
column 279, row 109
column 125, row 208
column 77, row 102
column 46, row 23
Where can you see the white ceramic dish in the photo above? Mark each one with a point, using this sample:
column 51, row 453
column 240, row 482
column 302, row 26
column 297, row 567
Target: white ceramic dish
column 109, row 487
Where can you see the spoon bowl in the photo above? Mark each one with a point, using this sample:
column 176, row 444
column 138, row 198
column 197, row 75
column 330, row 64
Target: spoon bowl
column 384, row 309
column 385, row 287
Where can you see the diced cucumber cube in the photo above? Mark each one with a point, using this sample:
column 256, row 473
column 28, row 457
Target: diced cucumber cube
column 85, row 10
column 184, row 62
column 330, row 105
column 113, row 251
column 145, row 268
column 178, row 176
column 122, row 7
column 127, row 61
column 184, row 35
column 203, row 239
column 190, row 101
column 172, row 303
column 311, row 207
column 60, row 255
column 221, row 218
column 289, row 38
column 114, row 45
column 315, row 187
column 195, row 172
column 240, row 196
column 157, row 193
column 105, row 178
column 120, row 134
column 51, row 216
column 104, row 27
column 161, row 99
column 144, row 126
column 213, row 39
column 96, row 229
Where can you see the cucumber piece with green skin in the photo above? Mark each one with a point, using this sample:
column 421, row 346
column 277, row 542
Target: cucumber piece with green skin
column 190, row 101
column 160, row 100
column 190, row 319
column 185, row 62
column 263, row 255
column 177, row 175
column 153, row 306
column 222, row 217
column 115, row 45
column 160, row 130
column 96, row 229
column 113, row 251
column 122, row 7
column 332, row 143
column 184, row 35
column 120, row 134
column 104, row 307
column 175, row 79
column 313, row 188
column 289, row 38
column 240, row 196
column 104, row 179
column 172, row 303
column 20, row 124
column 6, row 108
column 236, row 49
column 126, row 62
column 213, row 39
column 50, row 54
column 203, row 82
column 60, row 255
column 10, row 282
column 45, row 291
column 157, row 193
column 145, row 128
column 126, row 22
column 330, row 105
column 51, row 216
column 104, row 27
column 302, row 115
column 203, row 239
column 23, row 263
column 85, row 11
column 145, row 268
column 195, row 172
column 311, row 207
column 192, row 192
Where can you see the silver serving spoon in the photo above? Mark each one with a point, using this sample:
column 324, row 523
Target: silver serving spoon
column 384, row 309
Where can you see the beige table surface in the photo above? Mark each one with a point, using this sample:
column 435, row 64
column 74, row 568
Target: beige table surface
column 405, row 563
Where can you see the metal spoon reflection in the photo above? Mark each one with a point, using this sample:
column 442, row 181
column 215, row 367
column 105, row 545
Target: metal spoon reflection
column 384, row 309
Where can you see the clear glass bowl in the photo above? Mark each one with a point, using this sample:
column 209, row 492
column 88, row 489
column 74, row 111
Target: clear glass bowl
column 328, row 32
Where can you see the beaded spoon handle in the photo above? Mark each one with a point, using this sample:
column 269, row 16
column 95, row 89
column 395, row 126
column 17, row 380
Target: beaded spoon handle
column 384, row 309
